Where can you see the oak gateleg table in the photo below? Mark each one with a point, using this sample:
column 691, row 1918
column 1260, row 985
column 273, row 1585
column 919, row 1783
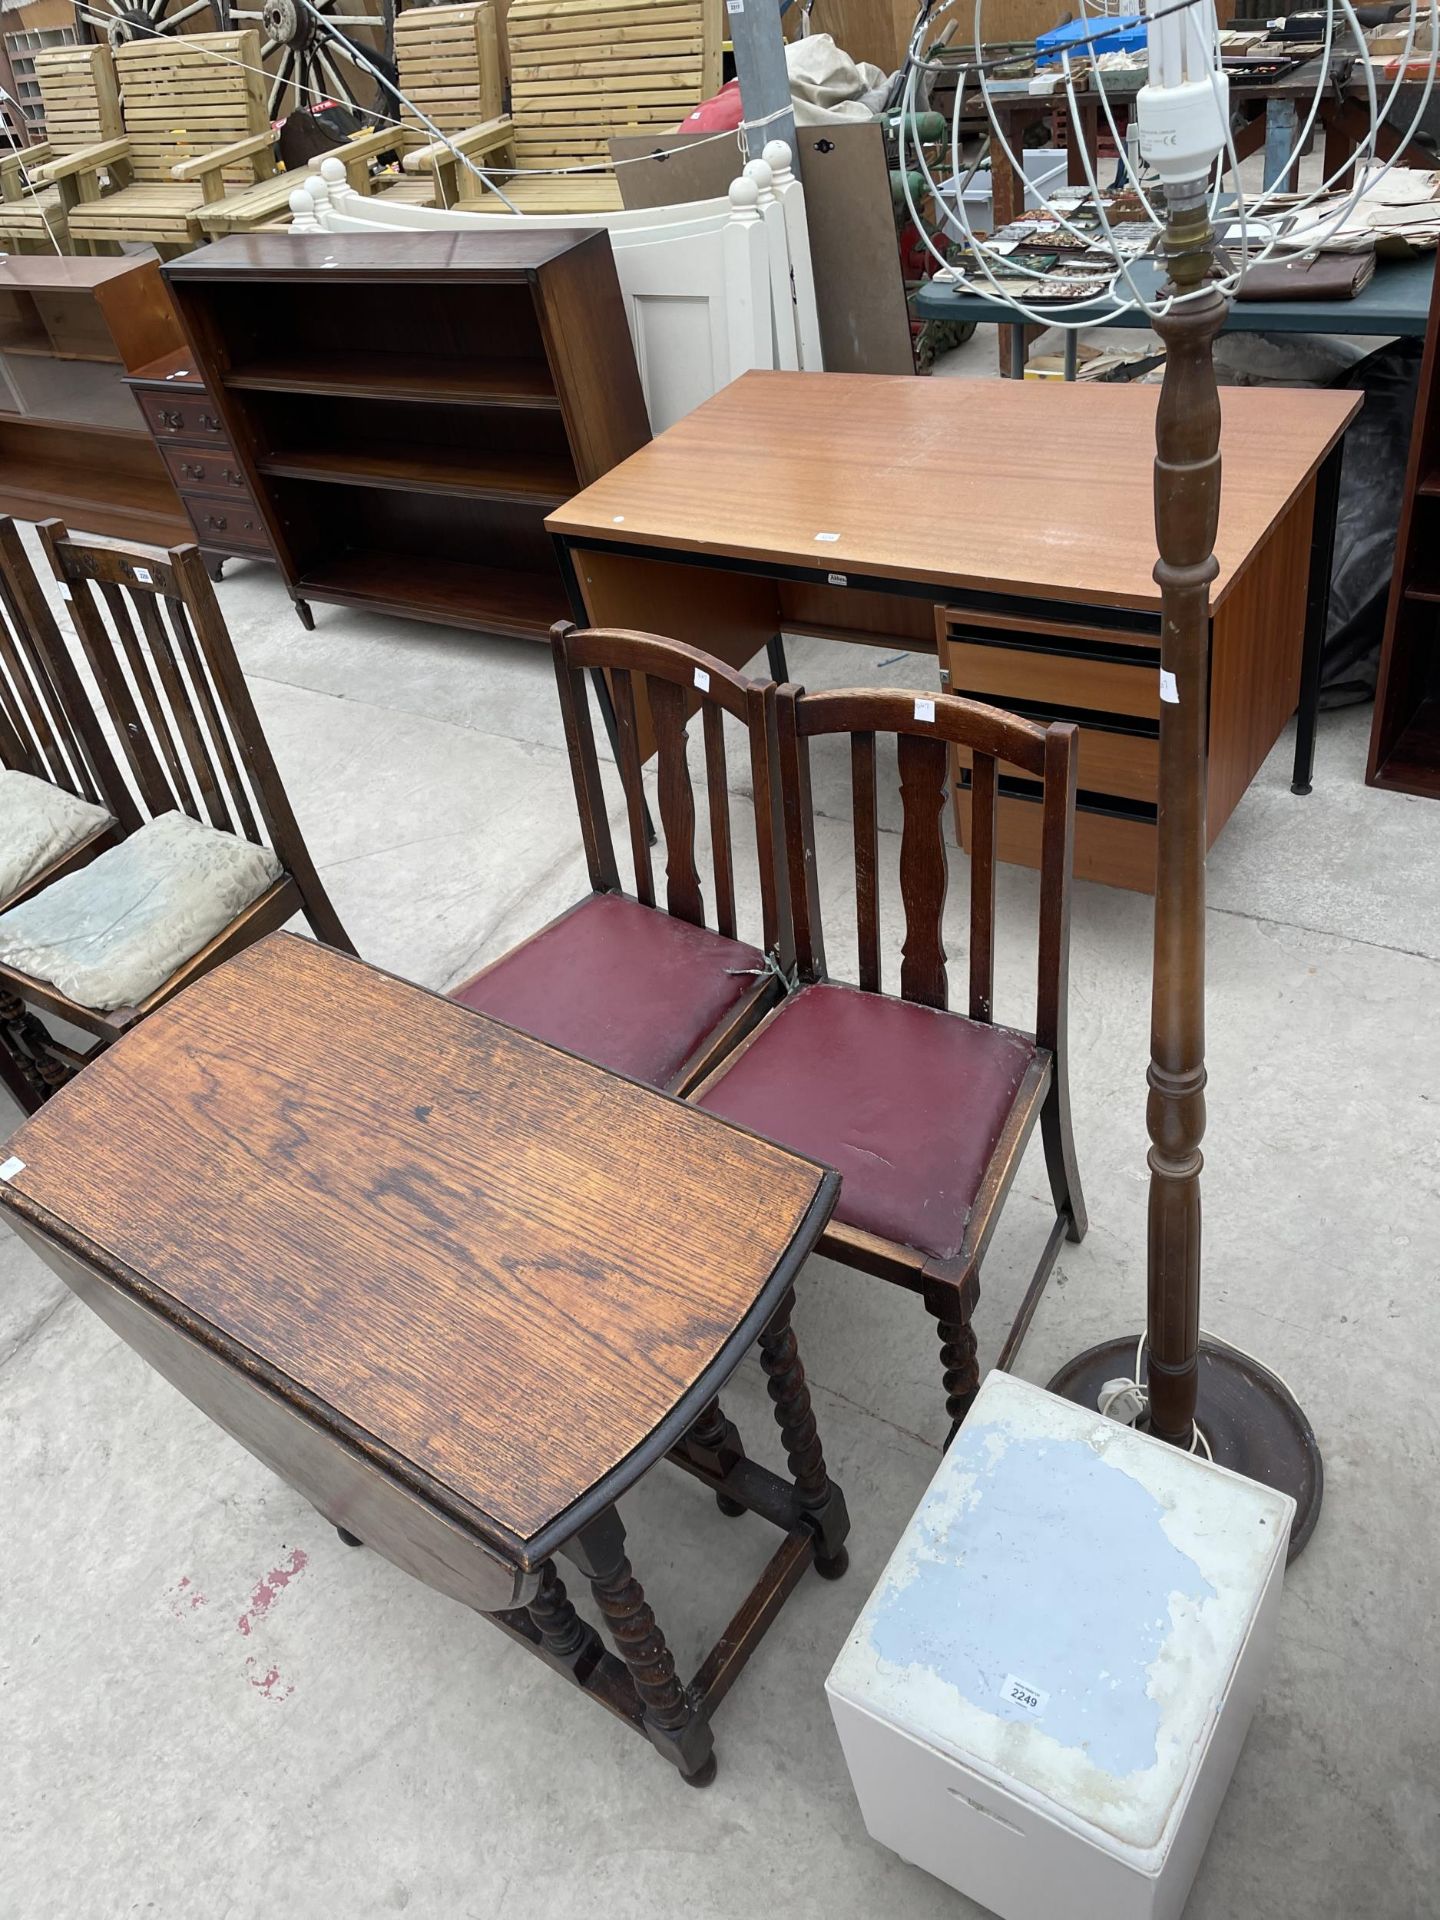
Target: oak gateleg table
column 459, row 1289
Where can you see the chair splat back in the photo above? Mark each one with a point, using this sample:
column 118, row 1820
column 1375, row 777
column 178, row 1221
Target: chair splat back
column 156, row 642
column 925, row 733
column 47, row 725
column 656, row 687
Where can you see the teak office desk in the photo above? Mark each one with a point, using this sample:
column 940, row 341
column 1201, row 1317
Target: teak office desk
column 459, row 1289
column 1008, row 527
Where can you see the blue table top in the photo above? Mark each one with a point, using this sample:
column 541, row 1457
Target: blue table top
column 1397, row 301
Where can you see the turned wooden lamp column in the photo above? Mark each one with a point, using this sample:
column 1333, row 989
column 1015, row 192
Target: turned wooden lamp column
column 1247, row 1415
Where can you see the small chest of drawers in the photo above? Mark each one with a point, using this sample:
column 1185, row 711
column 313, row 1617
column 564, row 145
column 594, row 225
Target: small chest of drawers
column 196, row 449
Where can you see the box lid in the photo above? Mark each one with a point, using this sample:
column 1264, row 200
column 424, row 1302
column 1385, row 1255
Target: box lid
column 1065, row 1610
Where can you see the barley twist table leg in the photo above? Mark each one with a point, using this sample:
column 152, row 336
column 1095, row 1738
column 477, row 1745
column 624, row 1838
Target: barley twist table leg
column 667, row 1711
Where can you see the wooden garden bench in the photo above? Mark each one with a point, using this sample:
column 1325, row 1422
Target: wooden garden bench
column 585, row 71
column 196, row 125
column 449, row 67
column 82, row 110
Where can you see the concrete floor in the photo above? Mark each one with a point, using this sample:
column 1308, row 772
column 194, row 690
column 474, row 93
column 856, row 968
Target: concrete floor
column 212, row 1709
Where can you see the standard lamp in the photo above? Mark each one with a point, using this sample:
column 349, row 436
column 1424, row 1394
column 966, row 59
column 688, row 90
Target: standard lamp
column 1245, row 1415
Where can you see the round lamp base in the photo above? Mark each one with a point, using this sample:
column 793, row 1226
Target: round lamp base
column 1250, row 1418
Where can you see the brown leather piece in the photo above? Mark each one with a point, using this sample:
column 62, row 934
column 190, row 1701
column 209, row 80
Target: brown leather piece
column 905, row 1102
column 624, row 985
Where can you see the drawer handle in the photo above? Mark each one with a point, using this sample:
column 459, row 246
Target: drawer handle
column 216, row 521
column 231, row 478
column 172, row 420
column 209, row 423
column 989, row 1812
column 191, row 471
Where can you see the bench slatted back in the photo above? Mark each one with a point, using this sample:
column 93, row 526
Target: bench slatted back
column 81, row 100
column 183, row 95
column 449, row 61
column 582, row 71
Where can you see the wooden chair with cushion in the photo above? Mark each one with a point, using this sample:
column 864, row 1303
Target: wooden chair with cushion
column 212, row 858
column 644, row 989
column 62, row 800
column 82, row 110
column 196, row 126
column 924, row 1112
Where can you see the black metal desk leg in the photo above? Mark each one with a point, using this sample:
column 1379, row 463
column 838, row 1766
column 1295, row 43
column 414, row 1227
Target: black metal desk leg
column 1317, row 615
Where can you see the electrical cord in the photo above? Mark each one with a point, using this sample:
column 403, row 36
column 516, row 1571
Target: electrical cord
column 1060, row 314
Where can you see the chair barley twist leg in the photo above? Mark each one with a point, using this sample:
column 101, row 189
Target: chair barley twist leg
column 959, row 1356
column 819, row 1500
column 561, row 1629
column 28, row 1045
column 718, row 1438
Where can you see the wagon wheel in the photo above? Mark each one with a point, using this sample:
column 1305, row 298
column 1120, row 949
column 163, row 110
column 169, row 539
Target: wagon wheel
column 120, row 20
column 307, row 65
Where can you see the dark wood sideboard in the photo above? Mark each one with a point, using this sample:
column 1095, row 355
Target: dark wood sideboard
column 406, row 409
column 195, row 448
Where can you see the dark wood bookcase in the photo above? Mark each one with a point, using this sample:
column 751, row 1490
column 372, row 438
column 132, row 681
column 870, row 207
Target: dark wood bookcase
column 1405, row 733
column 407, row 408
column 71, row 440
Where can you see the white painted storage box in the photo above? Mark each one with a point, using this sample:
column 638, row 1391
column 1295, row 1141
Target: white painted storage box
column 1044, row 1699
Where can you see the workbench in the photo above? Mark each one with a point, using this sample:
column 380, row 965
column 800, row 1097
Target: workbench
column 1395, row 302
column 1006, row 527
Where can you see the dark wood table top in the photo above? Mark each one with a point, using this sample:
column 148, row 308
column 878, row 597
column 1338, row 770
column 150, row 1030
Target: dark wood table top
column 1005, row 486
column 507, row 1276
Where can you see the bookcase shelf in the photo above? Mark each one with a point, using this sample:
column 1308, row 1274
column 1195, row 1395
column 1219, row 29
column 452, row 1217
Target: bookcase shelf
column 389, row 376
column 408, row 407
column 545, row 480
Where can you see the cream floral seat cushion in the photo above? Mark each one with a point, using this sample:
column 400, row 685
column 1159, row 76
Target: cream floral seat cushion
column 39, row 823
column 112, row 933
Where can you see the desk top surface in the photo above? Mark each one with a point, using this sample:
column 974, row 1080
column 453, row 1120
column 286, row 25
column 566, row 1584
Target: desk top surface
column 501, row 1265
column 1039, row 487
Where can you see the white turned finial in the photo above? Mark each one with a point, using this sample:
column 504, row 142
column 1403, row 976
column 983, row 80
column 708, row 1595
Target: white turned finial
column 332, row 170
column 302, row 209
column 744, row 200
column 318, row 188
column 760, row 172
column 777, row 156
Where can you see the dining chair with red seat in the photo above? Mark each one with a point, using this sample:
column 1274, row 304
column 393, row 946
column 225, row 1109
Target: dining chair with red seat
column 925, row 1112
column 644, row 988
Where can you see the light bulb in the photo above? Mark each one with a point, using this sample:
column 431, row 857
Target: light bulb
column 1184, row 109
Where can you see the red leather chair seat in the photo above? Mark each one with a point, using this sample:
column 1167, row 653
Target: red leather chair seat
column 627, row 986
column 904, row 1101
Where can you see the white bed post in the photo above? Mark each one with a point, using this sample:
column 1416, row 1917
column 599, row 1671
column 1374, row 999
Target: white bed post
column 302, row 213
column 337, row 182
column 782, row 291
column 791, row 195
column 749, row 306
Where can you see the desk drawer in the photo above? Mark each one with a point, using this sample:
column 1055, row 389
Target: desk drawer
column 1111, row 848
column 1127, row 764
column 227, row 524
column 183, row 416
column 1013, row 673
column 204, row 469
